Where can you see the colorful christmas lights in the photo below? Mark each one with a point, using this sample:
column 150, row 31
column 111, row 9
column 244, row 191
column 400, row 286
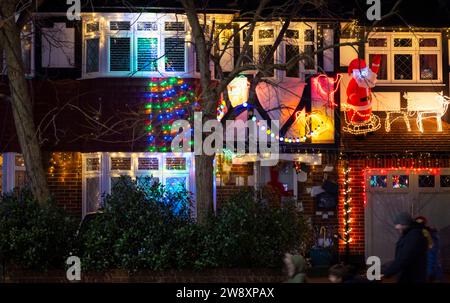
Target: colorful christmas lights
column 167, row 100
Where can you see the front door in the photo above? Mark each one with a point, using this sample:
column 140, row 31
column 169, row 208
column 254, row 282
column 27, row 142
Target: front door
column 419, row 192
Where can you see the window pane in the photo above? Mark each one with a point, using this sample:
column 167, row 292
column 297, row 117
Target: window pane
column 428, row 42
column 427, row 181
column 176, row 163
column 428, row 67
column 116, row 180
column 402, row 42
column 378, row 42
column 248, row 57
column 148, row 163
column 175, row 182
column 292, row 34
column 291, row 52
column 445, row 180
column 147, row 26
column 147, row 53
column 92, row 27
column 92, row 194
column 266, row 58
column 120, row 163
column 92, row 164
column 310, row 61
column 174, row 50
column 174, row 26
column 20, row 179
column 309, row 35
column 146, row 181
column 245, row 33
column 383, row 71
column 400, row 181
column 92, row 54
column 119, row 54
column 266, row 33
column 119, row 25
column 403, row 67
column 378, row 181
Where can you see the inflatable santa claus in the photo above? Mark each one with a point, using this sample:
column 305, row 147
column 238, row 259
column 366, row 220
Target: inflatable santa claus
column 359, row 89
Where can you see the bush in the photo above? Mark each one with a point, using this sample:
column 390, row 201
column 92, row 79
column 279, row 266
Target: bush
column 34, row 236
column 149, row 227
column 247, row 233
column 139, row 228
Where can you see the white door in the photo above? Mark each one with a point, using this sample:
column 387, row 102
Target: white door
column 419, row 192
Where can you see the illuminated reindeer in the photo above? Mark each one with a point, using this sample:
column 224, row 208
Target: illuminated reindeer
column 437, row 112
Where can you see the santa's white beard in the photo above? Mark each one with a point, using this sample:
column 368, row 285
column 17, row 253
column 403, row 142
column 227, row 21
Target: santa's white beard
column 365, row 77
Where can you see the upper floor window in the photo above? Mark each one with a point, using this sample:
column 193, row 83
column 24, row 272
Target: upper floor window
column 407, row 58
column 297, row 48
column 134, row 46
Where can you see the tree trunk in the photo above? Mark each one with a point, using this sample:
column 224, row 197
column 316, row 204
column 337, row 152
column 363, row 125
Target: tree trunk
column 204, row 174
column 22, row 107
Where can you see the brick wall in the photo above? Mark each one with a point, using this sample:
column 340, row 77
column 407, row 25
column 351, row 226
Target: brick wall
column 315, row 178
column 227, row 187
column 65, row 181
column 357, row 194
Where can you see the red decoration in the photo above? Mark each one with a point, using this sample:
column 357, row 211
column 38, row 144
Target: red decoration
column 359, row 89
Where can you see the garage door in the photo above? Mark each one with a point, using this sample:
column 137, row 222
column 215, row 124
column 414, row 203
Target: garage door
column 419, row 192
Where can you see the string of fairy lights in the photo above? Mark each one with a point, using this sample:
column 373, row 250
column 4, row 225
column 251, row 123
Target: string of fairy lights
column 314, row 122
column 347, row 205
column 167, row 101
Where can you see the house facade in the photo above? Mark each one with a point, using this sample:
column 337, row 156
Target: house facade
column 106, row 90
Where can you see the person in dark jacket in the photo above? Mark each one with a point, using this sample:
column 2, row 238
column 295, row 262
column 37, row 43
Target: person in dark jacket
column 434, row 268
column 410, row 263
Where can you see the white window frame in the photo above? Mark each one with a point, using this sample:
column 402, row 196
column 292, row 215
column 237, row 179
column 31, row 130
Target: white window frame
column 9, row 170
column 104, row 34
column 87, row 174
column 413, row 180
column 105, row 173
column 148, row 34
column 304, row 43
column 93, row 35
column 258, row 42
column 280, row 52
column 119, row 34
column 173, row 34
column 415, row 51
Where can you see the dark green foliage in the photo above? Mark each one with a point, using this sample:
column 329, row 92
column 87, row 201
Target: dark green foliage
column 148, row 226
column 34, row 236
column 152, row 229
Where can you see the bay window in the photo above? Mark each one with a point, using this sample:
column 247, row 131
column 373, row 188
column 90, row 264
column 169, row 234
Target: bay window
column 102, row 171
column 133, row 44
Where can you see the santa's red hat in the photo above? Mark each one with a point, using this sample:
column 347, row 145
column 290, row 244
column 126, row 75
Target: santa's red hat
column 356, row 64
